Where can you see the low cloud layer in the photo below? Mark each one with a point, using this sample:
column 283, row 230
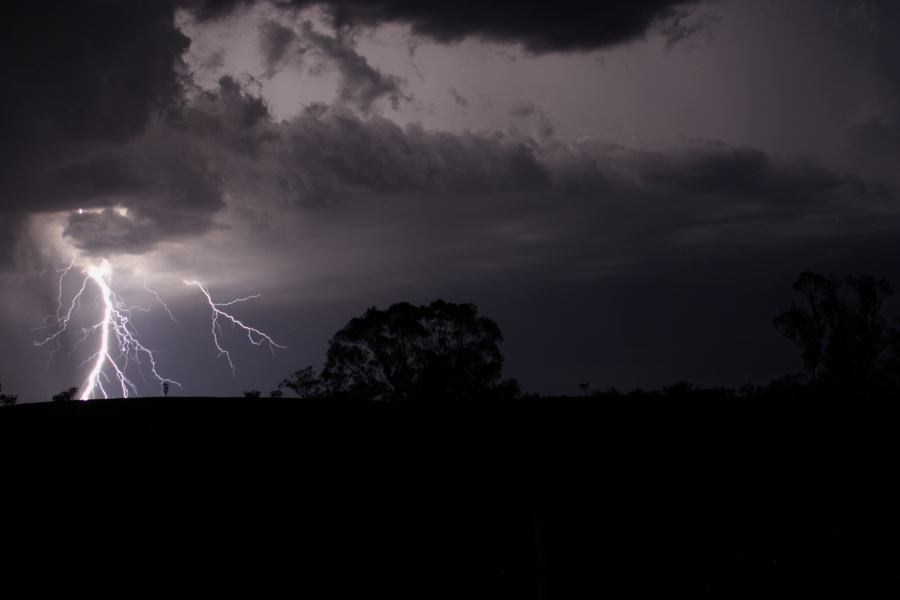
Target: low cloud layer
column 224, row 149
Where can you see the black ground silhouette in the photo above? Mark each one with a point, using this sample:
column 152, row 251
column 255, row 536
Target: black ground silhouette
column 534, row 498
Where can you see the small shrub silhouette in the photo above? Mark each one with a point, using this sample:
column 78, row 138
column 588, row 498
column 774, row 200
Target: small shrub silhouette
column 66, row 395
column 7, row 399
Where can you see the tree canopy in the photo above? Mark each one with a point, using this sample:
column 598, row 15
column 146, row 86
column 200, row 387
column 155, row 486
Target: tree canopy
column 841, row 331
column 66, row 395
column 442, row 350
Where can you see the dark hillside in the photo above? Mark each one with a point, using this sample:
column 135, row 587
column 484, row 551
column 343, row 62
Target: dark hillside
column 542, row 498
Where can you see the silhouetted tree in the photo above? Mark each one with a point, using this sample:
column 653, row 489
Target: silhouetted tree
column 66, row 395
column 276, row 394
column 305, row 383
column 839, row 328
column 165, row 388
column 439, row 351
column 7, row 399
column 252, row 394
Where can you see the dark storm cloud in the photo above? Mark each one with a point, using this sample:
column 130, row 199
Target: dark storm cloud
column 275, row 43
column 706, row 168
column 79, row 80
column 330, row 152
column 160, row 185
column 361, row 84
column 571, row 193
column 249, row 110
column 170, row 178
column 82, row 81
column 163, row 185
column 682, row 26
column 111, row 232
column 104, row 175
column 326, row 153
column 89, row 149
column 540, row 26
column 458, row 98
column 82, row 71
column 727, row 195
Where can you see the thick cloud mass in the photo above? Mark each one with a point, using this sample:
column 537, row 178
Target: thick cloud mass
column 539, row 26
column 84, row 79
column 81, row 71
column 79, row 80
column 565, row 25
column 704, row 190
column 361, row 84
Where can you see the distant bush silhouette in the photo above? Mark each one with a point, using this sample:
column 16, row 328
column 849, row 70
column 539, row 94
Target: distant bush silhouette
column 7, row 399
column 439, row 351
column 276, row 394
column 66, row 395
column 679, row 389
column 838, row 325
column 252, row 394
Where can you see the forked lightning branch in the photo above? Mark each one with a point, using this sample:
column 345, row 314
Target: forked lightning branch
column 114, row 337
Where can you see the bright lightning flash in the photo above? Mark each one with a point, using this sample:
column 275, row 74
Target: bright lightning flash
column 118, row 344
column 256, row 337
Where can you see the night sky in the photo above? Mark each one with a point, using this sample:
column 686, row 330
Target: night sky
column 628, row 188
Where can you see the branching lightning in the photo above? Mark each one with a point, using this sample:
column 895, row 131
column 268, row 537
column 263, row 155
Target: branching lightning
column 119, row 350
column 256, row 337
column 119, row 344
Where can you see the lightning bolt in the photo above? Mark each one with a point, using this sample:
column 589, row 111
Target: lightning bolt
column 118, row 344
column 161, row 302
column 256, row 337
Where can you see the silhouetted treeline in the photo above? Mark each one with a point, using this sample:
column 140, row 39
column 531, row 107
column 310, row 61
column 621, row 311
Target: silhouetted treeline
column 444, row 351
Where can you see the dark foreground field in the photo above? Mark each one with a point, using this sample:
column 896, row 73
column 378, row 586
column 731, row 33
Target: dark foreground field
column 551, row 498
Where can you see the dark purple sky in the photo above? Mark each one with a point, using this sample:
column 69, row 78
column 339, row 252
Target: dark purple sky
column 627, row 188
